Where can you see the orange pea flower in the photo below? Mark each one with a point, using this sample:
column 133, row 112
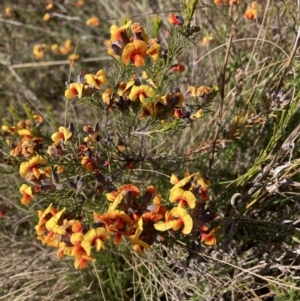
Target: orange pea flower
column 172, row 100
column 204, row 185
column 106, row 96
column 49, row 6
column 182, row 218
column 138, row 32
column 27, row 194
column 73, row 58
column 11, row 130
column 154, row 51
column 177, row 68
column 39, row 50
column 129, row 190
column 46, row 17
column 111, row 196
column 77, row 226
column 175, row 19
column 156, row 211
column 209, row 238
column 135, row 239
column 96, row 237
column 54, row 49
column 157, row 204
column 73, row 90
column 62, row 134
column 250, row 14
column 119, row 33
column 10, row 12
column 140, row 92
column 79, row 3
column 66, row 47
column 54, row 223
column 135, row 52
column 180, row 183
column 183, row 198
column 97, row 80
column 31, row 167
column 207, row 39
column 148, row 109
column 24, row 132
column 38, row 119
column 81, row 258
column 87, row 163
column 92, row 22
column 44, row 216
column 204, row 91
column 198, row 114
column 115, row 221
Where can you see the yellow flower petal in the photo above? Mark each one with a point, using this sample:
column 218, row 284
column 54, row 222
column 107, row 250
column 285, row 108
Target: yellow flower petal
column 164, row 226
column 187, row 196
column 135, row 52
column 51, row 224
column 117, row 201
column 187, row 220
column 183, row 182
column 73, row 90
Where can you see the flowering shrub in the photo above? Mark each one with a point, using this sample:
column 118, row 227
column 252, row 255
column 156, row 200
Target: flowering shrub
column 90, row 177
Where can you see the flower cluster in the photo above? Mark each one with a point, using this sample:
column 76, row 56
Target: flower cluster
column 63, row 49
column 190, row 194
column 138, row 218
column 151, row 104
column 69, row 236
column 24, row 137
column 251, row 12
column 134, row 49
column 86, row 85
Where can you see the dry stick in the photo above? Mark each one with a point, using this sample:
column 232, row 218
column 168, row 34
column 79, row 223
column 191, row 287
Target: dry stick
column 99, row 281
column 53, row 63
column 241, row 40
